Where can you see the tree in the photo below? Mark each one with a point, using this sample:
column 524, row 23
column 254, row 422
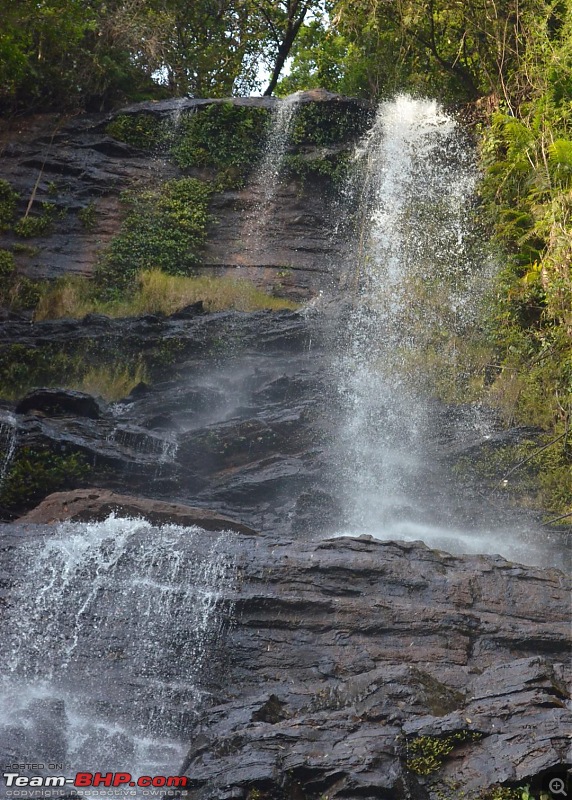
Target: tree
column 283, row 21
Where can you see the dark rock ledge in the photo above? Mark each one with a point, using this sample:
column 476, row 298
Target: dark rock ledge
column 352, row 662
column 95, row 505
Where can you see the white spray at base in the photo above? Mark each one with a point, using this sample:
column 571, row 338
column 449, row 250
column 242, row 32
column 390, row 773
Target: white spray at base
column 110, row 630
column 417, row 278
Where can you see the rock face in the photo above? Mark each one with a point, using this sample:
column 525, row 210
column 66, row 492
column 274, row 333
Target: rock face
column 90, row 505
column 74, row 164
column 349, row 668
column 353, row 662
column 238, row 423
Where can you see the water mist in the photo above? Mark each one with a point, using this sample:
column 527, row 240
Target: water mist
column 415, row 281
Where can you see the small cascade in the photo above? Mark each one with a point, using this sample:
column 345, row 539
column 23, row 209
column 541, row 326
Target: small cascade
column 110, row 630
column 8, row 443
column 266, row 178
column 414, row 286
column 145, row 444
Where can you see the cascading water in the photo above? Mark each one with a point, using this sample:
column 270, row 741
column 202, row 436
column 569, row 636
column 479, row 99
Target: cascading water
column 8, row 444
column 265, row 179
column 414, row 178
column 415, row 284
column 104, row 646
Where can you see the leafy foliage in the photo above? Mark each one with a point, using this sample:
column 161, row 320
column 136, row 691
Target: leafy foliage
column 8, row 201
column 163, row 229
column 526, row 194
column 318, row 124
column 139, row 130
column 35, row 473
column 224, row 136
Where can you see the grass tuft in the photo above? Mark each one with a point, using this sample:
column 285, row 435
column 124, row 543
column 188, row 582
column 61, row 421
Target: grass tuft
column 157, row 293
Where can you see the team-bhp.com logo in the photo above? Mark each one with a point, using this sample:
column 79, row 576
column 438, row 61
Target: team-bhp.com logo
column 85, row 779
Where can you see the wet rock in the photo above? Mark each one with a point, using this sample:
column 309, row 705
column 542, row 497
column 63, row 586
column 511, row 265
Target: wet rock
column 60, row 402
column 80, row 165
column 369, row 655
column 87, row 505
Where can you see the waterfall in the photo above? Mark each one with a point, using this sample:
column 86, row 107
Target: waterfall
column 110, row 629
column 416, row 280
column 266, row 177
column 414, row 177
column 8, row 444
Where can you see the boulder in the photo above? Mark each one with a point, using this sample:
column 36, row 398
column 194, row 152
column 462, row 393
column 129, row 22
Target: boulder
column 89, row 505
column 60, row 403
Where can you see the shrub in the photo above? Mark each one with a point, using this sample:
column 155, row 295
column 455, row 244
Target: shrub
column 17, row 292
column 145, row 131
column 224, row 136
column 163, row 229
column 8, row 201
column 326, row 124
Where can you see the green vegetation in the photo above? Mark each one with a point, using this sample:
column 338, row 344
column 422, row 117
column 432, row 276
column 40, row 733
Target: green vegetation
column 37, row 225
column 35, row 473
column 535, row 472
column 145, row 131
column 221, row 136
column 115, row 51
column 8, row 200
column 17, row 292
column 88, row 216
column 225, row 137
column 155, row 292
column 332, row 166
column 106, row 370
column 425, row 754
column 163, row 228
column 318, row 124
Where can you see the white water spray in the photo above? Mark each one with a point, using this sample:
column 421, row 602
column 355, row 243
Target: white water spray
column 8, row 444
column 265, row 179
column 414, row 177
column 106, row 642
column 416, row 284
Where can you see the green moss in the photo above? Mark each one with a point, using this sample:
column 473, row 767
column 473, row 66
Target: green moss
column 17, row 292
column 163, row 229
column 332, row 166
column 8, row 201
column 326, row 124
column 526, row 473
column 88, row 216
column 29, row 226
column 145, row 131
column 35, row 473
column 223, row 136
column 426, row 754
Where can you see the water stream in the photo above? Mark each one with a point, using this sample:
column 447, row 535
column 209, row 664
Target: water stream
column 416, row 279
column 8, row 443
column 266, row 177
column 108, row 635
